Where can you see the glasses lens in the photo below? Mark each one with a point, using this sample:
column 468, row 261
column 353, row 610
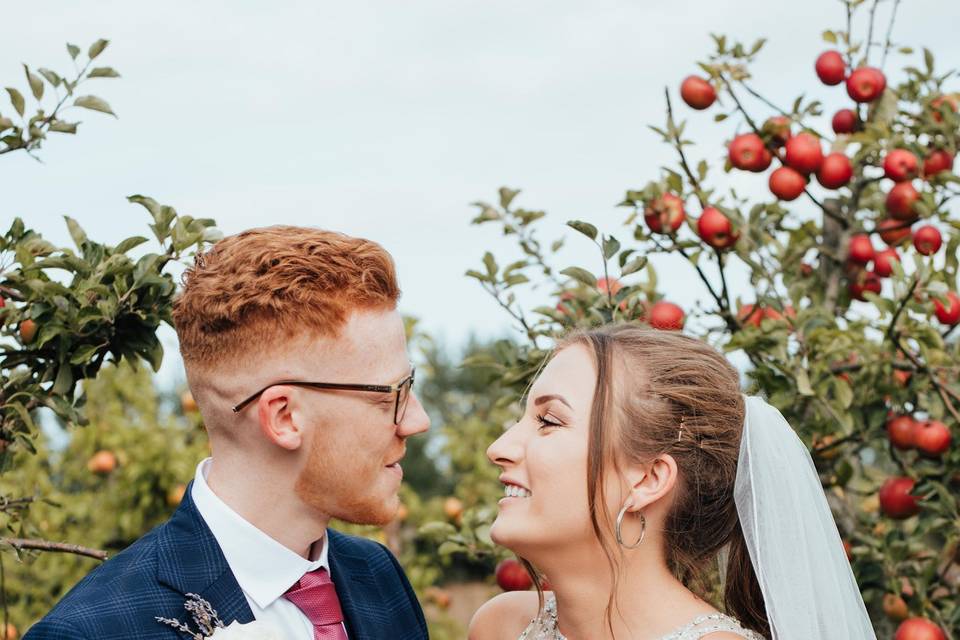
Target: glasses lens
column 403, row 394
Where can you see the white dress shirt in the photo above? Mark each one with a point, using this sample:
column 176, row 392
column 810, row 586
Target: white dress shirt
column 263, row 567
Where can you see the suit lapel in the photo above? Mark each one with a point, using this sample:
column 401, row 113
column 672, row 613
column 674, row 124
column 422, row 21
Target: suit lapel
column 356, row 589
column 189, row 560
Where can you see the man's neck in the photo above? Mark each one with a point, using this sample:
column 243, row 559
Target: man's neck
column 271, row 507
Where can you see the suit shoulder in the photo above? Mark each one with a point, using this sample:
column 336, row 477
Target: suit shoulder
column 117, row 582
column 505, row 616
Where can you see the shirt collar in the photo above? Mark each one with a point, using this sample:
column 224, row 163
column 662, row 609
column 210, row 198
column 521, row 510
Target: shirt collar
column 264, row 568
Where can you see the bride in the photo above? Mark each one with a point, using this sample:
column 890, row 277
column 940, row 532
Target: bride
column 636, row 466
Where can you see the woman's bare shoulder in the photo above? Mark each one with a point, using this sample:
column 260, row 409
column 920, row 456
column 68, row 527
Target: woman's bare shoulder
column 504, row 617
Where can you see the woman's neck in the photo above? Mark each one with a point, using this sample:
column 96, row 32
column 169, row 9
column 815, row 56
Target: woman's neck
column 651, row 601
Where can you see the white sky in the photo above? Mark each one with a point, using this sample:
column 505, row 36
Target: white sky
column 386, row 119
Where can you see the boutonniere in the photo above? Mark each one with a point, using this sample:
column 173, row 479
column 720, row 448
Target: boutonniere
column 210, row 627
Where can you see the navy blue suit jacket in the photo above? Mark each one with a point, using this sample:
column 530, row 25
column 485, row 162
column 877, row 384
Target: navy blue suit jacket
column 121, row 598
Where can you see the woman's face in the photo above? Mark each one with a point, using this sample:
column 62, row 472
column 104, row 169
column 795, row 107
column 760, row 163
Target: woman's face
column 544, row 459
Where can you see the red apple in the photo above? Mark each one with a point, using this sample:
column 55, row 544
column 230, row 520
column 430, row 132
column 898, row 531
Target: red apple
column 883, row 262
column 747, row 152
column 900, row 431
column 845, row 121
column 28, row 331
column 938, row 161
column 666, row 211
column 866, row 84
column 949, row 316
column 835, row 171
column 900, row 165
column 861, row 249
column 804, row 153
column 102, row 462
column 895, row 499
column 900, row 201
column 893, row 232
column 932, row 438
column 787, row 183
column 950, row 100
column 666, row 315
column 830, row 67
column 697, row 92
column 895, row 607
column 715, row 229
column 866, row 281
column 919, row 629
column 778, row 128
column 611, row 284
column 927, row 240
column 512, row 576
column 750, row 314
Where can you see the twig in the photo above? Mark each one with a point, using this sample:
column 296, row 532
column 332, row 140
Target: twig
column 683, row 158
column 61, row 547
column 767, row 102
column 886, row 47
column 873, row 11
column 833, row 214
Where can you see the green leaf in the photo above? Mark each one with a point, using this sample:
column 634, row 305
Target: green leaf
column 97, row 48
column 507, row 196
column 928, row 60
column 610, row 247
column 73, row 50
column 103, row 72
column 63, row 127
column 94, row 103
column 585, row 228
column 64, row 380
column 580, row 275
column 36, row 84
column 634, row 265
column 803, row 383
column 51, row 76
column 76, row 232
column 491, row 264
column 16, row 99
column 129, row 243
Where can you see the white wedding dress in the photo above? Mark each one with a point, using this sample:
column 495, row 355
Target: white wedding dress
column 545, row 627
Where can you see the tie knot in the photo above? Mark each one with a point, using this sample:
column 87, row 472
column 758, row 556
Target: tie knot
column 315, row 595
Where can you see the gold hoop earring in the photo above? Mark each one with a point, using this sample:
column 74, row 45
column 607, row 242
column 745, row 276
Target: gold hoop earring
column 643, row 529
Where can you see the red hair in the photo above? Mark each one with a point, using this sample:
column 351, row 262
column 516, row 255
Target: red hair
column 261, row 287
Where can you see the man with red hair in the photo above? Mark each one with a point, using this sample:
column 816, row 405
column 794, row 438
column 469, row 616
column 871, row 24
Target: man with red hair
column 296, row 354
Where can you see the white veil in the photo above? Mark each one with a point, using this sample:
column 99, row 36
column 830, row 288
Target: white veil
column 808, row 586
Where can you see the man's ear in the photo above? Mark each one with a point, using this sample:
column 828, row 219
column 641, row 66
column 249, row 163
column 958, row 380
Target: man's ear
column 275, row 415
column 650, row 482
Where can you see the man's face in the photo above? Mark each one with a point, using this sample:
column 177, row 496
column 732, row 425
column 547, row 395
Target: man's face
column 353, row 444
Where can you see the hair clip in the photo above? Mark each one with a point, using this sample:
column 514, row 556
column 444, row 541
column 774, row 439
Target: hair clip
column 680, row 432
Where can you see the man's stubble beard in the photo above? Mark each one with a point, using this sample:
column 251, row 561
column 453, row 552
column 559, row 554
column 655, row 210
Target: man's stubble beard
column 334, row 492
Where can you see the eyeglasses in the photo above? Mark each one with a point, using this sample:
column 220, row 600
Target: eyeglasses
column 402, row 389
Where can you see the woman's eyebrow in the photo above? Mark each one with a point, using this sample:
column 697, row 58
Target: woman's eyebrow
column 551, row 396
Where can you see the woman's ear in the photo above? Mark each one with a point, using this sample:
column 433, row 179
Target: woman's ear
column 650, row 482
column 275, row 416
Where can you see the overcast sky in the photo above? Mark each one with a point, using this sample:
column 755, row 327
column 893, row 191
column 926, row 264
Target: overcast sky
column 386, row 119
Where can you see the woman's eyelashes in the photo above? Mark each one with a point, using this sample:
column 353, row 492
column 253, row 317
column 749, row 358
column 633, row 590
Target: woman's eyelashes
column 546, row 422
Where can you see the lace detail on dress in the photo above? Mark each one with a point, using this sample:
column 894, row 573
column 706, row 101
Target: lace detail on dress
column 545, row 626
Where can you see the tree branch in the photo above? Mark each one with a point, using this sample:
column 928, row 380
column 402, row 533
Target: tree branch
column 886, row 47
column 60, row 547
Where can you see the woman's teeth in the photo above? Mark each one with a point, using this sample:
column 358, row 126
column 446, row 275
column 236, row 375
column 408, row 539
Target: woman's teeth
column 513, row 491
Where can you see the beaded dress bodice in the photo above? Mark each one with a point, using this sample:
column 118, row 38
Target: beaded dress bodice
column 545, row 627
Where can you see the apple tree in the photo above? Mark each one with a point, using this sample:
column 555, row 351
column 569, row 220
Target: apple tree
column 65, row 314
column 846, row 318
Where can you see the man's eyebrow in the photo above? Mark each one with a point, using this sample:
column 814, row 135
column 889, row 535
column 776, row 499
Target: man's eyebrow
column 551, row 396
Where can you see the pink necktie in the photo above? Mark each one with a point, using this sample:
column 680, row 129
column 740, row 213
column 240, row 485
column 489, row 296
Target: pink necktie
column 315, row 595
